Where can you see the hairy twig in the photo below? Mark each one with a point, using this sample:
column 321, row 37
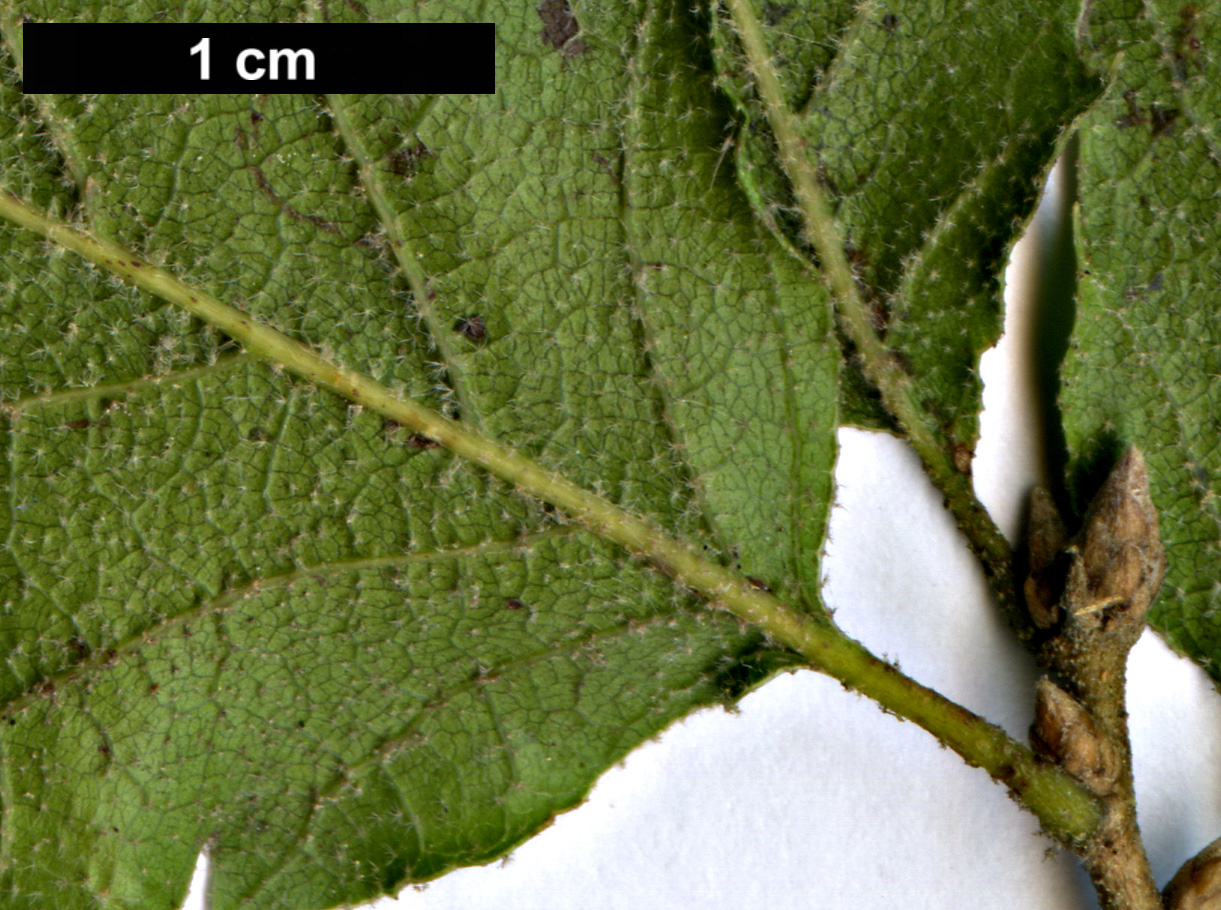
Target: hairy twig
column 1116, row 565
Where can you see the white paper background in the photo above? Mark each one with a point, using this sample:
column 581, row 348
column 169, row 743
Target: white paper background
column 811, row 797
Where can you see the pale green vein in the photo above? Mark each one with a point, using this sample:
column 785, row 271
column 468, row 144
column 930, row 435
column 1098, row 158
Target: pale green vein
column 373, row 179
column 127, row 387
column 1064, row 807
column 879, row 363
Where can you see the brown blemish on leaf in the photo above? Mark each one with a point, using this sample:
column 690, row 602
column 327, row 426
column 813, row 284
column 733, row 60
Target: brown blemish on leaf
column 890, row 22
column 406, row 161
column 419, row 441
column 961, row 453
column 559, row 24
column 1161, row 120
column 560, row 28
column 605, row 164
column 1187, row 43
column 1134, row 114
column 879, row 315
column 774, row 13
column 260, row 180
column 512, row 603
column 472, row 328
column 265, row 185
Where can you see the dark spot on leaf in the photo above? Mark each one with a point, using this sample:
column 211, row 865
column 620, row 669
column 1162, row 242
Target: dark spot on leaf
column 471, row 327
column 1161, row 119
column 559, row 24
column 573, row 48
column 104, row 749
column 758, row 583
column 512, row 603
column 316, row 220
column 77, row 646
column 300, row 724
column 1134, row 114
column 774, row 13
column 1187, row 43
column 419, row 441
column 890, row 22
column 406, row 161
column 879, row 315
column 262, row 183
column 961, row 454
column 605, row 164
column 257, row 435
column 256, row 118
column 82, row 423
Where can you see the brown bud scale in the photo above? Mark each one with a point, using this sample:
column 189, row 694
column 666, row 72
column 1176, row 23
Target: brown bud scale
column 1197, row 885
column 1064, row 732
column 1118, row 560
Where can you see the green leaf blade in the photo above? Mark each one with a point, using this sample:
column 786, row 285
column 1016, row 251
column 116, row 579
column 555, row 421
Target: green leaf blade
column 1142, row 365
column 933, row 129
column 247, row 615
column 739, row 332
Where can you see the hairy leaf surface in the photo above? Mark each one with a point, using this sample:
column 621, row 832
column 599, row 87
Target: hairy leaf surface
column 241, row 613
column 1143, row 367
column 933, row 127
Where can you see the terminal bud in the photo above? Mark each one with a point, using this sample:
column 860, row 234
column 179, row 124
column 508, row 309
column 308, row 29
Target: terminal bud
column 1118, row 560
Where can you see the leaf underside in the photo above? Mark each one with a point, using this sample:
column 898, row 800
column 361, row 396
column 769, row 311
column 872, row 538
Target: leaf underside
column 1143, row 367
column 933, row 129
column 242, row 613
column 238, row 612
